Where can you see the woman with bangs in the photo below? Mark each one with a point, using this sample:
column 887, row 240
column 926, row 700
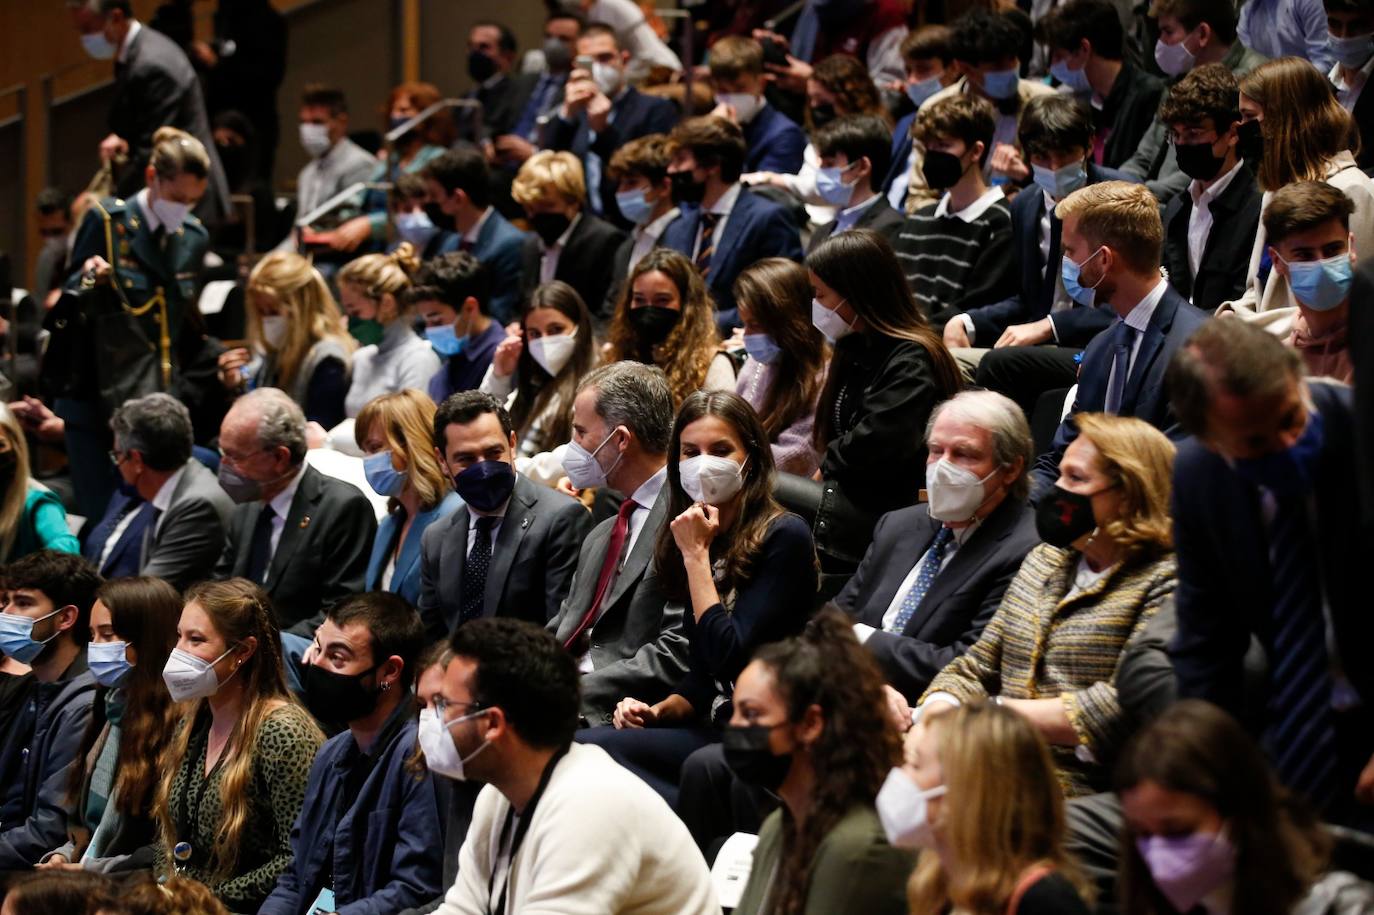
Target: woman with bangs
column 666, row 318
column 236, row 768
column 295, row 323
column 1293, row 129
column 395, row 433
column 1052, row 649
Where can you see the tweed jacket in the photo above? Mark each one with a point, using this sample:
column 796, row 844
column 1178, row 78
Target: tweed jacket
column 1041, row 644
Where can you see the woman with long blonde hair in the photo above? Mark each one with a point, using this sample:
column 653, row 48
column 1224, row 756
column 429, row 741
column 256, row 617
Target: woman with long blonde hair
column 294, row 322
column 666, row 318
column 31, row 516
column 235, row 772
column 395, row 433
column 393, row 356
column 1106, row 565
column 977, row 793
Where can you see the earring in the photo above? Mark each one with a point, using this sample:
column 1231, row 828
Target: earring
column 386, row 686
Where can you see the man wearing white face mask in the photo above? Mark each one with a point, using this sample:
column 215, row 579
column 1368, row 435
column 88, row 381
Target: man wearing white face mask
column 772, row 141
column 967, row 541
column 505, row 715
column 601, row 112
column 335, row 161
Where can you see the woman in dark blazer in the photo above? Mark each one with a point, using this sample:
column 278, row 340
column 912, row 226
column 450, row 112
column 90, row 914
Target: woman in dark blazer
column 394, row 431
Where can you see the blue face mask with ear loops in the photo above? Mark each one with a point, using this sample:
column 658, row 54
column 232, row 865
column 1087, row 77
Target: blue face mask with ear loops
column 16, row 636
column 1323, row 284
column 1069, row 272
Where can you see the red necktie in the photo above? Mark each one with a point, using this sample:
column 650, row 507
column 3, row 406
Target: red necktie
column 620, row 532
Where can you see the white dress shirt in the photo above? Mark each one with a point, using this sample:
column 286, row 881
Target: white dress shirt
column 645, row 497
column 862, row 631
column 134, row 28
column 1348, row 90
column 281, row 506
column 1200, row 218
column 470, row 236
column 1139, row 318
column 973, row 210
column 499, row 515
column 647, row 235
column 723, row 206
column 548, row 264
column 163, row 500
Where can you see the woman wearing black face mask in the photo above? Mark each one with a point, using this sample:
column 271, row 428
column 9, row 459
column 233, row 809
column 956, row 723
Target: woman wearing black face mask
column 823, row 743
column 1107, row 564
column 666, row 318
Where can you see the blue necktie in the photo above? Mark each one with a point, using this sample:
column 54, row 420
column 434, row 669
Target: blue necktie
column 95, row 543
column 475, row 571
column 935, row 557
column 1123, row 337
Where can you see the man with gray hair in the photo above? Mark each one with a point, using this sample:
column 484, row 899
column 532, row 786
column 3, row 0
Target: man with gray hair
column 303, row 536
column 616, row 621
column 169, row 518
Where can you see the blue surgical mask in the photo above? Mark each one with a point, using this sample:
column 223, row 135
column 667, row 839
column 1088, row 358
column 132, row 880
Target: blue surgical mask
column 633, row 205
column 16, row 636
column 1001, row 84
column 1292, row 471
column 761, row 348
column 108, row 662
column 416, row 228
column 1068, row 271
column 831, row 188
column 1060, row 182
column 445, row 340
column 1321, row 285
column 1076, row 80
column 919, row 92
column 384, row 479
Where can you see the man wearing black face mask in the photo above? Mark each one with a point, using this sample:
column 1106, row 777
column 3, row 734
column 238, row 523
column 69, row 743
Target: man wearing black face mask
column 1210, row 228
column 1274, row 455
column 369, row 826
column 503, row 94
column 511, row 550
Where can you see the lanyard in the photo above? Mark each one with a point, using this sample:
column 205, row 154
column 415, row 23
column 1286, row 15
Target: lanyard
column 520, row 830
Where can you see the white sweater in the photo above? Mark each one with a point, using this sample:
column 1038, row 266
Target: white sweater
column 601, row 842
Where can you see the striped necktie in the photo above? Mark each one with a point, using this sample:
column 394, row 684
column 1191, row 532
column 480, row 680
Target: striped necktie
column 708, row 243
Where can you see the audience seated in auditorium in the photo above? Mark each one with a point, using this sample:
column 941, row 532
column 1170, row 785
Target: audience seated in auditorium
column 773, row 143
column 412, row 219
column 506, row 716
column 44, row 625
column 1350, row 24
column 853, row 155
column 32, row 517
column 929, row 66
column 616, row 621
column 395, row 432
column 1274, row 454
column 336, row 162
column 511, row 549
column 644, row 197
column 1052, row 650
column 452, row 295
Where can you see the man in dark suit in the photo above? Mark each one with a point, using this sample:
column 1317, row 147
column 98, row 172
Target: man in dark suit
column 854, row 153
column 502, row 92
column 568, row 243
column 1209, row 228
column 512, row 548
column 171, row 516
column 1274, row 456
column 773, row 142
column 724, row 227
column 935, row 573
column 303, row 536
column 1350, row 23
column 155, row 86
column 616, row 620
column 1112, row 234
column 459, row 182
column 600, row 113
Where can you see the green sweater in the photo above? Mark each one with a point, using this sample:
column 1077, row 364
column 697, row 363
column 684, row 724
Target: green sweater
column 854, row 870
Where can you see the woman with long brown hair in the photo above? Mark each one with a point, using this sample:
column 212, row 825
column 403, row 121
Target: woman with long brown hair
column 888, row 371
column 666, row 318
column 114, row 780
column 977, row 792
column 744, row 569
column 822, row 743
column 235, row 772
column 32, row 517
column 1293, row 129
column 781, row 379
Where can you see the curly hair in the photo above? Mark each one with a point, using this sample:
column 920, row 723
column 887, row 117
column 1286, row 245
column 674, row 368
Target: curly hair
column 1208, row 91
column 857, row 746
column 685, row 356
column 848, row 80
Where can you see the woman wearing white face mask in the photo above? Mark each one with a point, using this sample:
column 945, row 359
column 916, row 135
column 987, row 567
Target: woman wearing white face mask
column 1209, row 829
column 744, row 568
column 115, row 777
column 537, row 371
column 237, row 764
column 296, row 327
column 977, row 793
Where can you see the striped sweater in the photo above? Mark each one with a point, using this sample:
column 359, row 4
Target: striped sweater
column 1041, row 644
column 953, row 263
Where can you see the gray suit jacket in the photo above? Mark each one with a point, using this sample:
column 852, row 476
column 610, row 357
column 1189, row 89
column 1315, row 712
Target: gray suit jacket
column 532, row 560
column 637, row 645
column 192, row 532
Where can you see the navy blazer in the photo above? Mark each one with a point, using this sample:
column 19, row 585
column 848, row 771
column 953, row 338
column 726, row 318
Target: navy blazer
column 901, row 151
column 498, row 248
column 961, row 600
column 1224, row 572
column 376, row 842
column 633, row 115
column 774, row 143
column 757, row 228
column 405, row 580
column 1075, row 326
column 1145, row 397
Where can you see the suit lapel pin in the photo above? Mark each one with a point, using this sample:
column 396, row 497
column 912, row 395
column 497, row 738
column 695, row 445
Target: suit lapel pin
column 305, row 522
column 525, row 523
